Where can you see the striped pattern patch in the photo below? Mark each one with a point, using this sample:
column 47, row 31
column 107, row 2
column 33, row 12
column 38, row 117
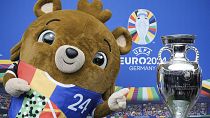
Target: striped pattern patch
column 5, row 62
column 141, row 94
column 206, row 88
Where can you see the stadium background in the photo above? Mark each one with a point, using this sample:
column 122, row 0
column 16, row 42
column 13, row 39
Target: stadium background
column 180, row 16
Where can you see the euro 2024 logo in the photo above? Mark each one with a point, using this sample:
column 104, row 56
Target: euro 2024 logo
column 142, row 26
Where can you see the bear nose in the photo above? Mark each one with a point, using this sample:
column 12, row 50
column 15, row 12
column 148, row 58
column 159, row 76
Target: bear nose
column 71, row 53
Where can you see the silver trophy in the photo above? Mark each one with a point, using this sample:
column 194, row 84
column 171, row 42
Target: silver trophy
column 179, row 79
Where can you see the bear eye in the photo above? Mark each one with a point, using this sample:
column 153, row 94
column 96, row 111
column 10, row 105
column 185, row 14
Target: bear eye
column 47, row 36
column 100, row 59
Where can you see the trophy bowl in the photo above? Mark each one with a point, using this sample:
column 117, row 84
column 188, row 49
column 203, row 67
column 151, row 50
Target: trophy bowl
column 179, row 79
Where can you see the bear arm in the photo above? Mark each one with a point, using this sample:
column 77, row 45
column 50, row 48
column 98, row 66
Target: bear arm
column 103, row 109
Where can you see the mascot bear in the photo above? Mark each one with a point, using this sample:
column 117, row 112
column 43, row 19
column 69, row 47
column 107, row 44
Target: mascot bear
column 67, row 63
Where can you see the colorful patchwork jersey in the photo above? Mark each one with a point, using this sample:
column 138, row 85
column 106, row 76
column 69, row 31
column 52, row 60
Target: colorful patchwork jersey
column 51, row 99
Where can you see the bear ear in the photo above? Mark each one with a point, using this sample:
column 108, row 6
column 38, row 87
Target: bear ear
column 95, row 9
column 46, row 6
column 15, row 52
column 123, row 39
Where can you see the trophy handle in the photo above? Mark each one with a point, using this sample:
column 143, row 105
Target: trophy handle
column 160, row 53
column 196, row 52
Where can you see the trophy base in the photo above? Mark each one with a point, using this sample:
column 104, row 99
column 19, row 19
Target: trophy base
column 179, row 108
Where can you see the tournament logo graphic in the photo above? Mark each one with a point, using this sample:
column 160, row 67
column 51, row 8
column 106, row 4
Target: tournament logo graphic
column 142, row 26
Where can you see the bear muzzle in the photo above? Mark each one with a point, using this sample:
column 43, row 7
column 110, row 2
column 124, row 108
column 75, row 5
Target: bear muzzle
column 69, row 59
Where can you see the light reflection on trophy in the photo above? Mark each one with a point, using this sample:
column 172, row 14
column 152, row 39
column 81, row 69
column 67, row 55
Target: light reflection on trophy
column 179, row 80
